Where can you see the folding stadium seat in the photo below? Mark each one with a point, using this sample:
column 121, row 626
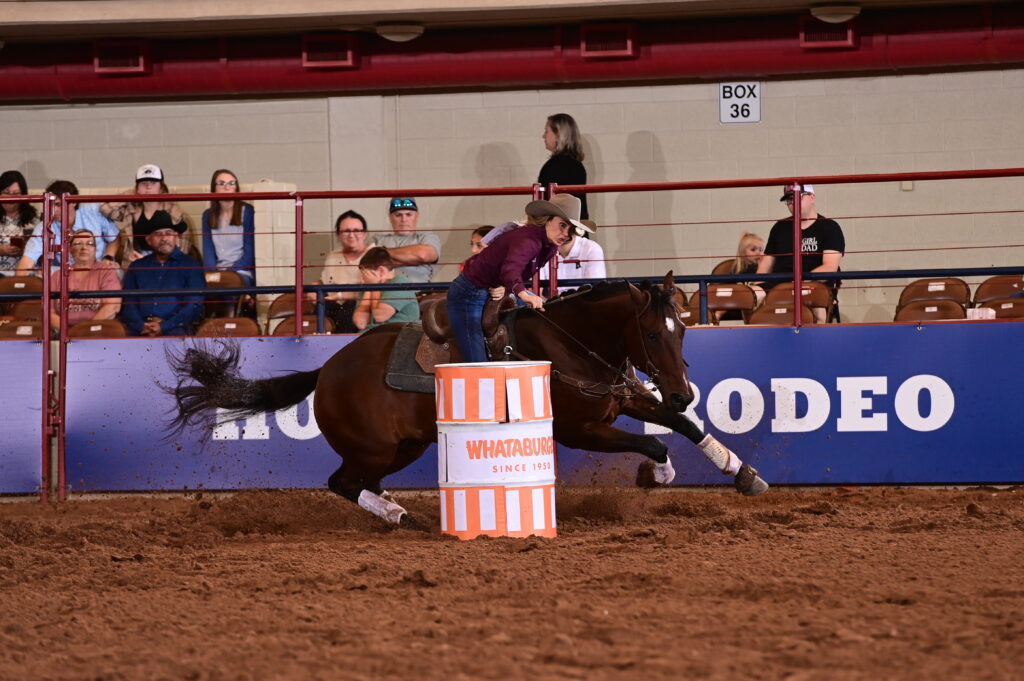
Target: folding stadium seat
column 28, row 310
column 948, row 288
column 284, row 306
column 1006, row 308
column 21, row 330
column 813, row 294
column 223, row 306
column 930, row 310
column 98, row 328
column 727, row 298
column 724, row 267
column 286, row 327
column 780, row 315
column 222, row 327
column 17, row 285
column 999, row 286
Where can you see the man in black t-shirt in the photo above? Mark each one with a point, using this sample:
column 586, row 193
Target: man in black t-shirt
column 822, row 244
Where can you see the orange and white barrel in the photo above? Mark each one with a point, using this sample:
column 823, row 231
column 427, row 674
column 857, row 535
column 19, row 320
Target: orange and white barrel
column 495, row 450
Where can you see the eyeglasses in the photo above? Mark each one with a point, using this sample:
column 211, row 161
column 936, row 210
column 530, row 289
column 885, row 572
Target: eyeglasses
column 351, row 231
column 10, row 193
column 398, row 204
column 225, row 183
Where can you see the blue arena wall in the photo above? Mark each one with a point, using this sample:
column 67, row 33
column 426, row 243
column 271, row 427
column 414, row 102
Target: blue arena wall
column 20, row 462
column 817, row 405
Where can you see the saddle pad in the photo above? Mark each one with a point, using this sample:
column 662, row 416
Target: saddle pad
column 403, row 373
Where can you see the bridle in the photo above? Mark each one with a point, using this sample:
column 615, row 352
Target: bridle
column 628, row 384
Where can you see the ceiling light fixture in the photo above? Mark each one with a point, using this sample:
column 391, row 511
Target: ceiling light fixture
column 835, row 14
column 399, row 32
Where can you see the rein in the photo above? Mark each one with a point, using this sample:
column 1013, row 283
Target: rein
column 630, row 385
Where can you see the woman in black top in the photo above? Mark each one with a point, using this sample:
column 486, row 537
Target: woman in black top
column 562, row 139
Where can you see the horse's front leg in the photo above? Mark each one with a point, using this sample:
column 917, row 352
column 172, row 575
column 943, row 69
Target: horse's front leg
column 599, row 436
column 745, row 476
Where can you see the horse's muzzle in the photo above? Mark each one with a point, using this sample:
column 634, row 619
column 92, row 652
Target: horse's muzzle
column 680, row 402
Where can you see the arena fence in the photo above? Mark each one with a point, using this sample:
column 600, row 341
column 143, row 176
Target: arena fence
column 907, row 398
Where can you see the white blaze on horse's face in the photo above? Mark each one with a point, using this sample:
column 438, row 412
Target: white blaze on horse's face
column 670, row 324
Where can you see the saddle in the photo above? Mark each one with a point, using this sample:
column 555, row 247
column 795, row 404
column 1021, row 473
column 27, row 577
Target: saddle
column 423, row 345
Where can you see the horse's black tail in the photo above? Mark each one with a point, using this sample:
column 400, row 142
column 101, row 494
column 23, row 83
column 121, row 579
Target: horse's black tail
column 208, row 378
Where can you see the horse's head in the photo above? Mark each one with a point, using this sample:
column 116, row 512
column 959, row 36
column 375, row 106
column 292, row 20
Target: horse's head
column 656, row 348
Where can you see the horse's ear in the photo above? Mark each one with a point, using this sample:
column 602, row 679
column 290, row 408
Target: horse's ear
column 634, row 291
column 669, row 284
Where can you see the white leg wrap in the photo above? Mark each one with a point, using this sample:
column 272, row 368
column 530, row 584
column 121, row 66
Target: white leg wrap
column 720, row 455
column 664, row 473
column 381, row 507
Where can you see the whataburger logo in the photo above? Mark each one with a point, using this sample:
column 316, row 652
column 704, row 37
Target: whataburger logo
column 510, row 447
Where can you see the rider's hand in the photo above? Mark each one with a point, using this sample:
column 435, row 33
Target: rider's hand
column 533, row 300
column 497, row 293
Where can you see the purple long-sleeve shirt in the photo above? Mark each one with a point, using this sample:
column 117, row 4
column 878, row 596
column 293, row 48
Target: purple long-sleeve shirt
column 511, row 259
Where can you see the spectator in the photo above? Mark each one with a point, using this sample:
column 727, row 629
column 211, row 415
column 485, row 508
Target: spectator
column 477, row 242
column 166, row 267
column 749, row 252
column 342, row 267
column 88, row 274
column 381, row 307
column 476, row 239
column 416, row 253
column 17, row 221
column 139, row 219
column 509, row 261
column 822, row 244
column 562, row 139
column 229, row 241
column 85, row 216
column 577, row 258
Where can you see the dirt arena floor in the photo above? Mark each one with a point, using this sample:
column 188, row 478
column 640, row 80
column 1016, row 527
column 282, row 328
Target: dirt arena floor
column 860, row 583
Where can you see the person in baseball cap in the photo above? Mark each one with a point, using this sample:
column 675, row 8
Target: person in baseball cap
column 787, row 191
column 149, row 172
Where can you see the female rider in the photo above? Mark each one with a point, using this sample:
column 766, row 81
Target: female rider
column 507, row 262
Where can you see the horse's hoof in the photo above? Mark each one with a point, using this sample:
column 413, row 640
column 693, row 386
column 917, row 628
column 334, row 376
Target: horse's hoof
column 748, row 482
column 645, row 475
column 651, row 474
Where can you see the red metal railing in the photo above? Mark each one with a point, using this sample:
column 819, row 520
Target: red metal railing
column 53, row 424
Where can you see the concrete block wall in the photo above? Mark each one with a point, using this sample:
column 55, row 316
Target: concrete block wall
column 941, row 121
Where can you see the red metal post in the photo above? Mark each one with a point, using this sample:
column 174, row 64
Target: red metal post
column 798, row 263
column 47, row 415
column 538, row 195
column 62, row 346
column 299, row 259
column 553, row 267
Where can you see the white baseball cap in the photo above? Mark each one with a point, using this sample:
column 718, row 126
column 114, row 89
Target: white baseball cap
column 149, row 172
column 787, row 191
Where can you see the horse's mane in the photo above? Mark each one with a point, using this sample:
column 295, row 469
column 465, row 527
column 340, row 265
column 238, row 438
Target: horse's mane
column 605, row 289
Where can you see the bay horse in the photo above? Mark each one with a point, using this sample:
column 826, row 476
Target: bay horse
column 593, row 339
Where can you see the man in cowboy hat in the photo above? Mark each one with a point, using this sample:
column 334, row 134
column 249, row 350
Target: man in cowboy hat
column 165, row 268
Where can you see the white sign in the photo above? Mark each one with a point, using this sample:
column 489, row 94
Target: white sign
column 739, row 102
column 511, row 453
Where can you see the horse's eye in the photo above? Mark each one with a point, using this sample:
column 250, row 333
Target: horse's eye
column 652, row 336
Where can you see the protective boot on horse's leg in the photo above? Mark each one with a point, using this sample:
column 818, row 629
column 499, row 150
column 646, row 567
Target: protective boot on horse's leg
column 745, row 477
column 367, row 494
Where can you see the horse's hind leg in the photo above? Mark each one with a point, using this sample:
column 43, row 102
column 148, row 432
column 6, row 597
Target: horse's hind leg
column 351, row 484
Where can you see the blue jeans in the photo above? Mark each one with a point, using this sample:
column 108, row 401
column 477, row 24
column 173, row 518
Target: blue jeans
column 465, row 311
